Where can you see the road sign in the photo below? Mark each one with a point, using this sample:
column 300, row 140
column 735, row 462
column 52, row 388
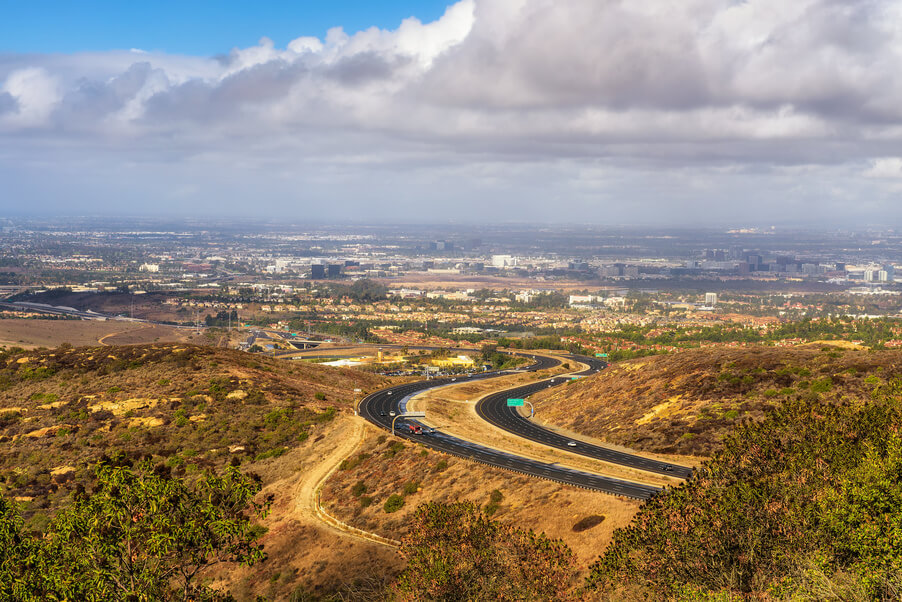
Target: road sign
column 413, row 415
column 514, row 403
column 604, row 355
column 574, row 378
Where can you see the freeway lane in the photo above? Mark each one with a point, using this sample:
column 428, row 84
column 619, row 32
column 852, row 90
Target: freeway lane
column 493, row 409
column 377, row 408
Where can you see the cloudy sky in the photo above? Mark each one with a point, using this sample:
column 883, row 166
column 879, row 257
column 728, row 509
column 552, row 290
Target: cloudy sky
column 612, row 112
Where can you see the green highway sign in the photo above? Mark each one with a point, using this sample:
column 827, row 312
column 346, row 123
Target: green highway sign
column 601, row 355
column 575, row 378
column 514, row 403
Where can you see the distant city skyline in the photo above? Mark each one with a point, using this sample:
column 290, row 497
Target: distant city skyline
column 707, row 113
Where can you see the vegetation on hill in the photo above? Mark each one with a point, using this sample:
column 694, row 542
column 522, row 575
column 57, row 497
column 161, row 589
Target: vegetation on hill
column 455, row 552
column 686, row 403
column 805, row 504
column 140, row 534
column 802, row 505
column 190, row 408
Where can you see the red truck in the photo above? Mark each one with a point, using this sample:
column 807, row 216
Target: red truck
column 416, row 429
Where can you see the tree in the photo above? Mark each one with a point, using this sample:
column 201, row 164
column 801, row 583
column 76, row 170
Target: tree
column 455, row 552
column 140, row 535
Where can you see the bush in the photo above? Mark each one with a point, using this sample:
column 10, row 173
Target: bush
column 393, row 449
column 272, row 453
column 813, row 480
column 411, row 487
column 156, row 536
column 358, row 489
column 494, row 502
column 394, row 503
column 352, row 463
column 455, row 552
column 440, row 466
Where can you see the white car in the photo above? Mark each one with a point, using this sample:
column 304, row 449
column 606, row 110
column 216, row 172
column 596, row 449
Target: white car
column 571, row 443
column 392, row 413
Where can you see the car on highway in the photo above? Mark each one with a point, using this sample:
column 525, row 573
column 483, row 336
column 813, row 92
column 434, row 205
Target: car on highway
column 382, row 413
column 571, row 443
column 392, row 413
column 668, row 467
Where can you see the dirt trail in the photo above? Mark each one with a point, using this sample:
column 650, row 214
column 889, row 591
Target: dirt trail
column 102, row 340
column 347, row 438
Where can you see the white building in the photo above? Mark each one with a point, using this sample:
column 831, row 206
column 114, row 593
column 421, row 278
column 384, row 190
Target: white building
column 153, row 268
column 582, row 299
column 711, row 299
column 503, row 261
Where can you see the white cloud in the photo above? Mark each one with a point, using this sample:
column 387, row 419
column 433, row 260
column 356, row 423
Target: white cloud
column 35, row 93
column 885, row 167
column 598, row 86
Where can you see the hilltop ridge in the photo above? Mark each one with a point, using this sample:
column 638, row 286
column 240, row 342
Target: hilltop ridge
column 685, row 403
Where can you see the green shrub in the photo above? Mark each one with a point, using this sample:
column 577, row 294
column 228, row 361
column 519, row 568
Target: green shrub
column 494, row 502
column 358, row 489
column 393, row 449
column 411, row 487
column 394, row 503
column 822, row 386
column 352, row 463
column 272, row 453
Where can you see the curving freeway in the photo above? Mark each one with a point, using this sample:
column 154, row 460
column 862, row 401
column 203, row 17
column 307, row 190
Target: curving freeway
column 493, row 409
column 380, row 407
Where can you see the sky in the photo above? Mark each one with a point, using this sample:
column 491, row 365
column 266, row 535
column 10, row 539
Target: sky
column 699, row 112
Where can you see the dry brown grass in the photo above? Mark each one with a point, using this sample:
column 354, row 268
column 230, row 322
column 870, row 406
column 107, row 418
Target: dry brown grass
column 191, row 408
column 303, row 552
column 686, row 403
column 452, row 409
column 527, row 502
column 28, row 334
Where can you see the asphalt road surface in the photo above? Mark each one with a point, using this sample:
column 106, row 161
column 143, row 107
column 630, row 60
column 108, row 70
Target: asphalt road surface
column 378, row 408
column 493, row 409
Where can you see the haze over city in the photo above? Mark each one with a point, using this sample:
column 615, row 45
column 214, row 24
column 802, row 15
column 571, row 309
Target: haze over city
column 707, row 112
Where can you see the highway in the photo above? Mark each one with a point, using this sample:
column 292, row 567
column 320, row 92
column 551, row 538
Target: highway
column 493, row 409
column 378, row 408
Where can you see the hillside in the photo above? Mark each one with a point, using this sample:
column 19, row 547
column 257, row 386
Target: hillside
column 384, row 469
column 803, row 505
column 686, row 403
column 186, row 407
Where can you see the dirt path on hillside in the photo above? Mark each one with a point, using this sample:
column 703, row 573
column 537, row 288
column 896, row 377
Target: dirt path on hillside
column 305, row 545
column 347, row 438
column 102, row 340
